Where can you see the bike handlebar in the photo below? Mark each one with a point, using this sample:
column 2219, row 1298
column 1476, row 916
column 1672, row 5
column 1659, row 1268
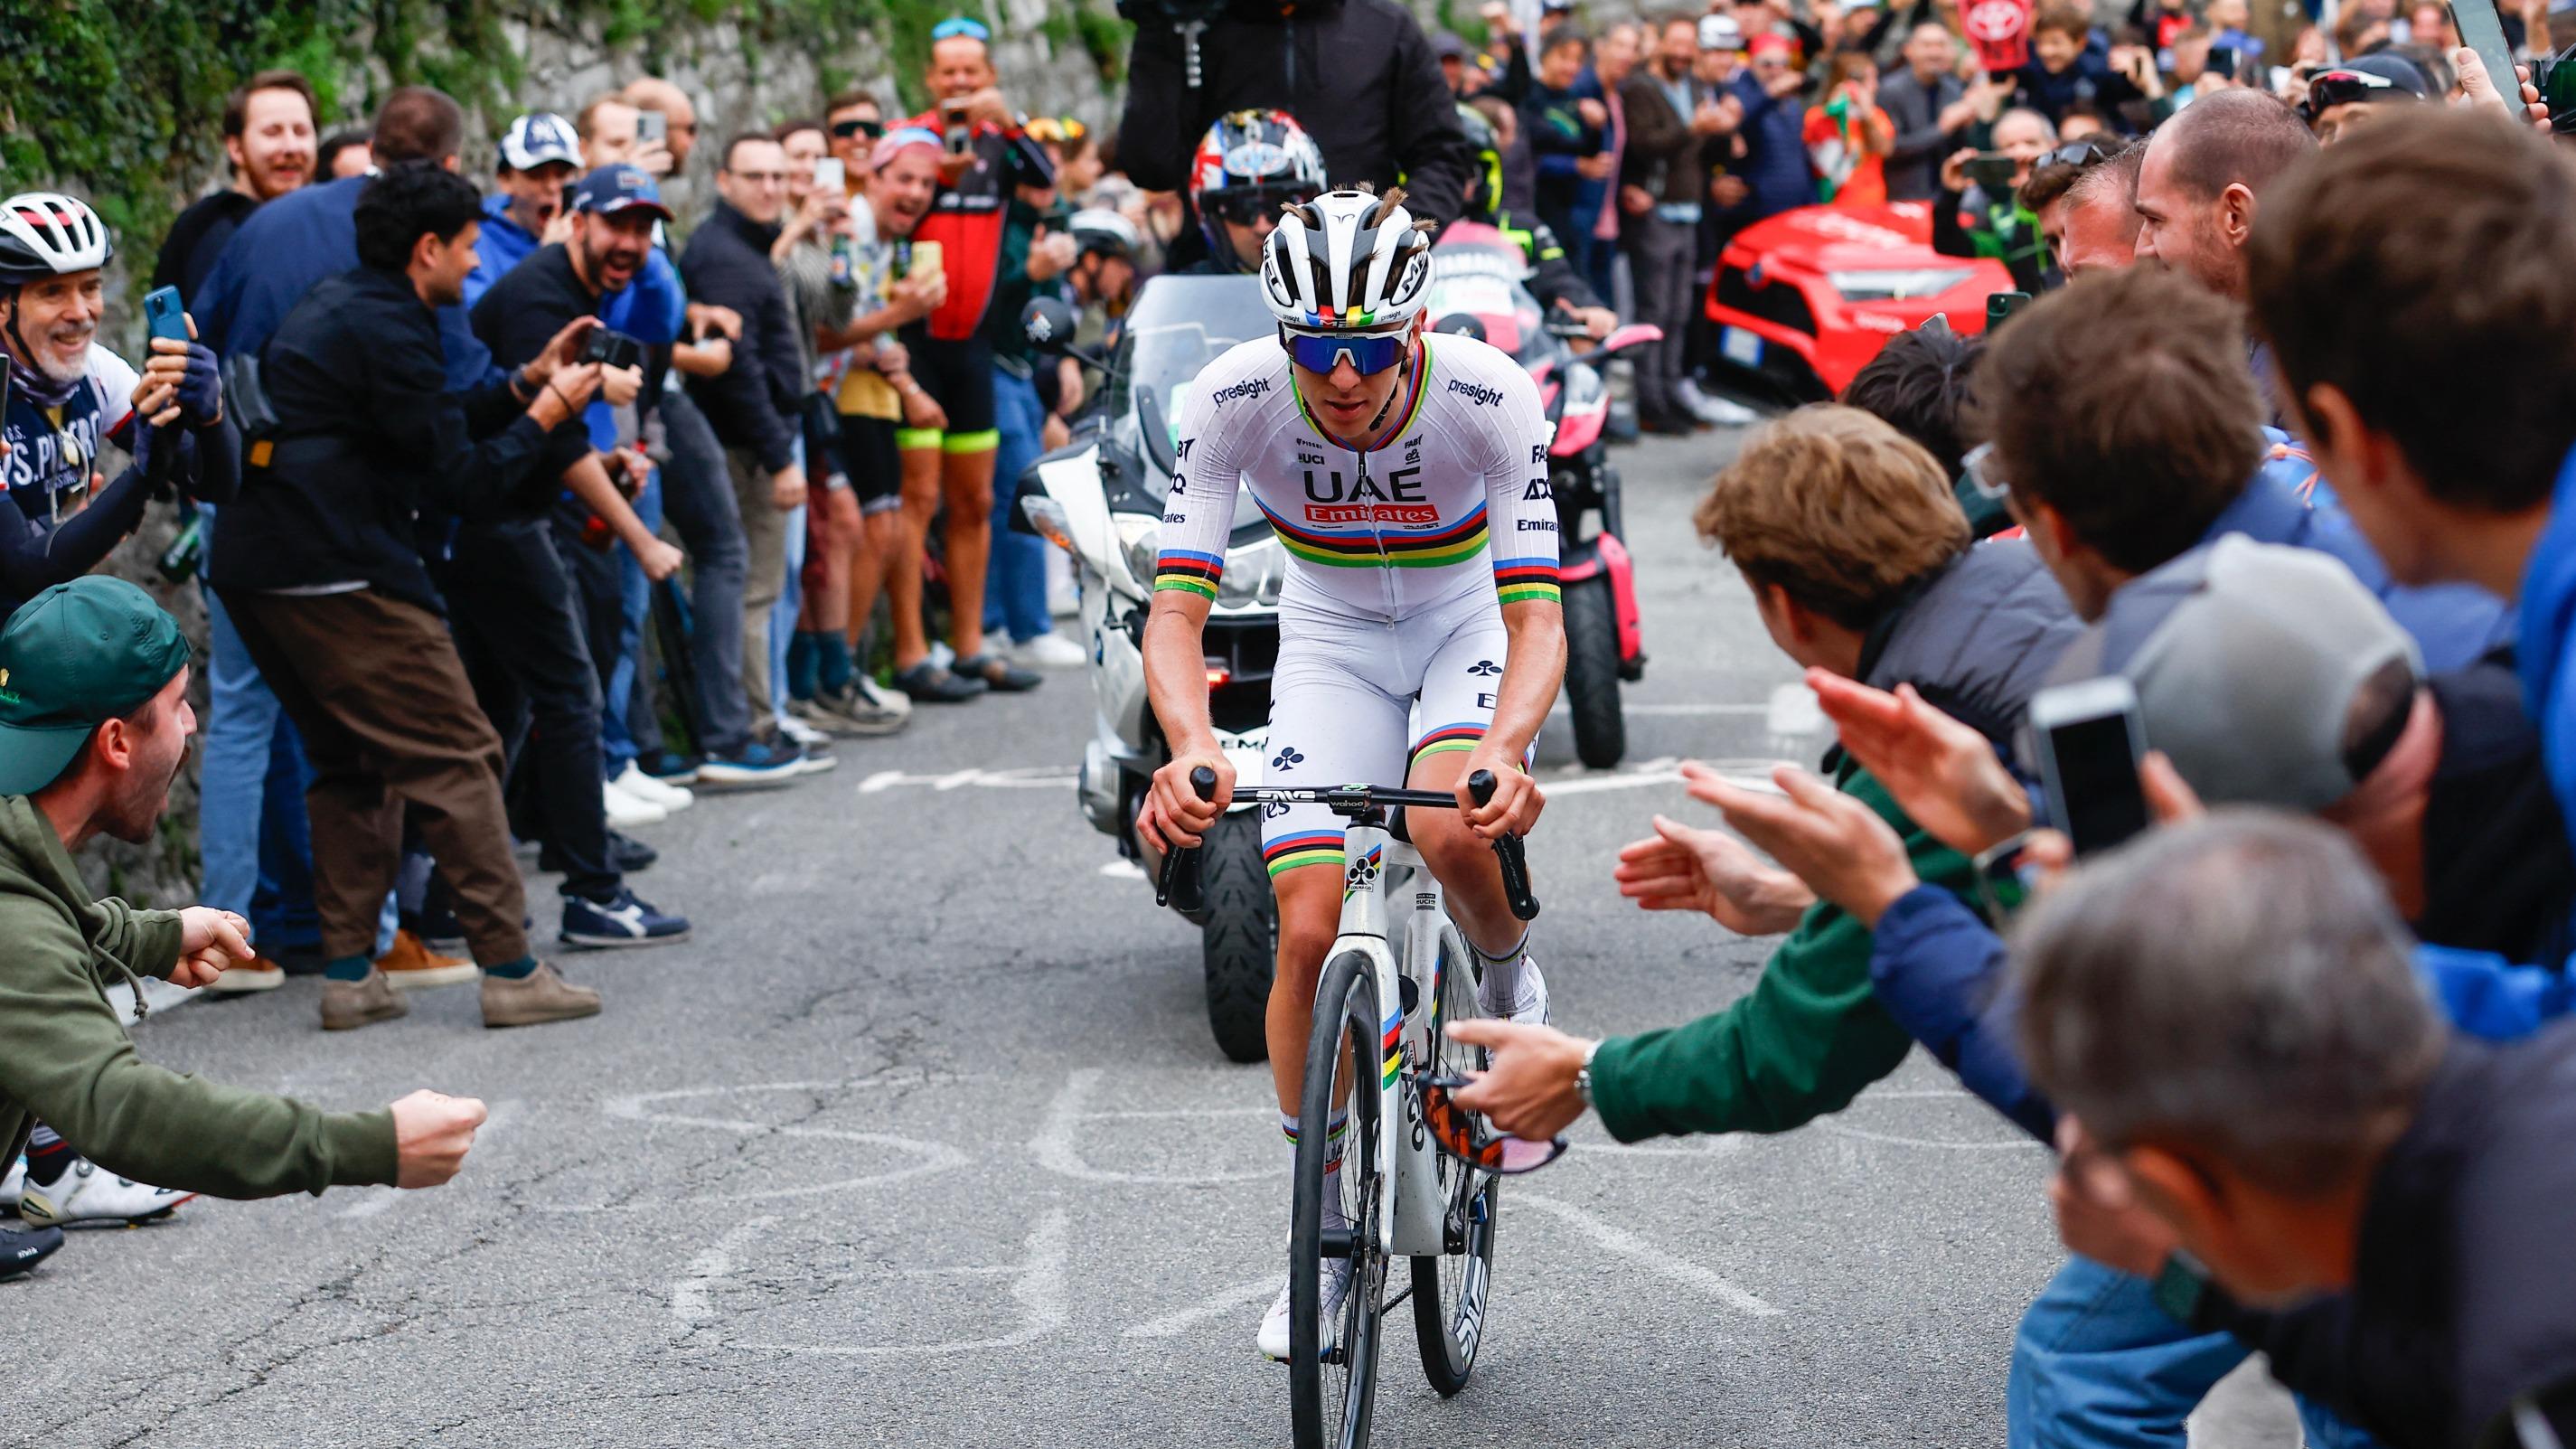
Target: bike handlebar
column 1178, row 880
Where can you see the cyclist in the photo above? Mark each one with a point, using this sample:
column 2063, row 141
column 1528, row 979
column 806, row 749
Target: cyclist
column 1248, row 165
column 1408, row 480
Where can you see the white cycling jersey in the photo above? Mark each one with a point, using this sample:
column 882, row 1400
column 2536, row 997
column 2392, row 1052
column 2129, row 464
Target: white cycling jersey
column 1391, row 642
column 1452, row 498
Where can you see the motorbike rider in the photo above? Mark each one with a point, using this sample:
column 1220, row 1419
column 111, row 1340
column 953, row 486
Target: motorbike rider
column 1552, row 279
column 1407, row 479
column 1248, row 165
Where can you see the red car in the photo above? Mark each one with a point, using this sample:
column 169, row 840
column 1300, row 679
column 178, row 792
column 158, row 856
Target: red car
column 1805, row 299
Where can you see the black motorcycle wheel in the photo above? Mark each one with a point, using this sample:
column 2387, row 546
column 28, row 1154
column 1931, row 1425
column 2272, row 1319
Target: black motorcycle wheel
column 1592, row 673
column 1240, row 936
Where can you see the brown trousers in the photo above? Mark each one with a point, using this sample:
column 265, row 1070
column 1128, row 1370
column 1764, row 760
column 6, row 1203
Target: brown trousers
column 389, row 719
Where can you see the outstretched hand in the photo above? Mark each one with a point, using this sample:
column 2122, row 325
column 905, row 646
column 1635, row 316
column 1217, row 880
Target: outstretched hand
column 1681, row 868
column 1837, row 845
column 1943, row 774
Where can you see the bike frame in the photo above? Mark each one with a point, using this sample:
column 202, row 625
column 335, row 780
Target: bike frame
column 1412, row 1212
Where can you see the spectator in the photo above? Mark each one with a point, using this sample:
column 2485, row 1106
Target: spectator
column 1513, row 175
column 1860, row 564
column 91, row 736
column 1564, row 134
column 519, row 619
column 2351, row 1146
column 1358, row 73
column 2068, row 66
column 1848, row 137
column 2201, row 178
column 342, row 154
column 1970, row 221
column 2343, row 96
column 1665, row 190
column 679, row 123
column 857, row 123
column 1078, row 166
column 2091, row 225
column 1776, row 173
column 950, row 357
column 540, row 154
column 1596, row 197
column 1920, row 384
column 814, row 254
column 319, row 567
column 753, row 406
column 1931, row 108
column 2080, row 121
column 1034, row 257
column 268, row 138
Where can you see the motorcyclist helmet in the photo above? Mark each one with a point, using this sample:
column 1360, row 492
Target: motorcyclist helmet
column 1248, row 165
column 1484, row 199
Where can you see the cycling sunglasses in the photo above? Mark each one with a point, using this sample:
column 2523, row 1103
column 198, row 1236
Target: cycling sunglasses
column 1461, row 1134
column 2087, row 152
column 1244, row 205
column 957, row 25
column 870, row 129
column 2339, row 87
column 1369, row 352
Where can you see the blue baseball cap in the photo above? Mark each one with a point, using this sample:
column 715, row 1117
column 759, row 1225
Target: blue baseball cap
column 618, row 188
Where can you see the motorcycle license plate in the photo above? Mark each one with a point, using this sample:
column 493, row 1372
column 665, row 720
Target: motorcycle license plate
column 1741, row 346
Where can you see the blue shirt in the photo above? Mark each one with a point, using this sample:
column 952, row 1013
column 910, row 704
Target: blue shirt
column 502, row 245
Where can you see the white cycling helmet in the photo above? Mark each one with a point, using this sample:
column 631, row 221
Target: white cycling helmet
column 1347, row 259
column 1098, row 229
column 43, row 234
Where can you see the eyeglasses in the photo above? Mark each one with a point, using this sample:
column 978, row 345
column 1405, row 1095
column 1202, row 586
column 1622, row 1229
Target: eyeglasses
column 1461, row 1134
column 1369, row 352
column 2340, row 87
column 870, row 129
column 1244, row 205
column 957, row 25
column 2087, row 152
column 1985, row 472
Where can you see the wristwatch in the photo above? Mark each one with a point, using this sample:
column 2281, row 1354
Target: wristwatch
column 1583, row 1074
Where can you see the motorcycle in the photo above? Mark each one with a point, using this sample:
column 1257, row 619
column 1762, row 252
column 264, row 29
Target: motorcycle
column 1476, row 291
column 1101, row 498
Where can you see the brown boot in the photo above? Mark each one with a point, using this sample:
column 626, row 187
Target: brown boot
column 348, row 1005
column 540, row 996
column 411, row 963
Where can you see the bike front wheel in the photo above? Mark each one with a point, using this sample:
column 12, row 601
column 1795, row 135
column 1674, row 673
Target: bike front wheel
column 1449, row 1290
column 1332, row 1362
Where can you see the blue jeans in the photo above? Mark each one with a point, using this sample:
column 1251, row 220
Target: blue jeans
column 635, row 598
column 1015, row 592
column 791, row 599
column 2097, row 1365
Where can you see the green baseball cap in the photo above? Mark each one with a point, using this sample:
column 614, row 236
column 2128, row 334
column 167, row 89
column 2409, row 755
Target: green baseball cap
column 71, row 658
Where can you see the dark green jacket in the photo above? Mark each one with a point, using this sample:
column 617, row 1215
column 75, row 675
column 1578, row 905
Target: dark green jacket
column 1803, row 1044
column 64, row 1056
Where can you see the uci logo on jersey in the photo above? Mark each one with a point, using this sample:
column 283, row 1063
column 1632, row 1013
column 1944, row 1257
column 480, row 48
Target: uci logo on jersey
column 1476, row 392
column 1249, row 387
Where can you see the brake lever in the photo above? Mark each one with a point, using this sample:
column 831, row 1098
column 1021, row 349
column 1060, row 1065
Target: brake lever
column 1507, row 851
column 1178, row 880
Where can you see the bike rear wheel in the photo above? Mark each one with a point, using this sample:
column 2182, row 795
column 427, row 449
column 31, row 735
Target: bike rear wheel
column 1449, row 1290
column 1332, row 1392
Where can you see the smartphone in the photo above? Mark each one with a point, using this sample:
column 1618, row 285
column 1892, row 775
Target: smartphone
column 164, row 316
column 2090, row 742
column 652, row 128
column 929, row 259
column 831, row 178
column 1992, row 171
column 2001, row 305
column 955, row 130
column 2224, row 60
column 2482, row 31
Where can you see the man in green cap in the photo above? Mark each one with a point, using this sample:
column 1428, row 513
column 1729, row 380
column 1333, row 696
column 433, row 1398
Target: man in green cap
column 94, row 722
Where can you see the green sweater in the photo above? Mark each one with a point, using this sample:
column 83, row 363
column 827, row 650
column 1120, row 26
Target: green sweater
column 1805, row 1042
column 64, row 1056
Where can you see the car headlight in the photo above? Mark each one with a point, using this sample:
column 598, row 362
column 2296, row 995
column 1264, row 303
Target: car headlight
column 1140, row 542
column 1897, row 284
column 1253, row 572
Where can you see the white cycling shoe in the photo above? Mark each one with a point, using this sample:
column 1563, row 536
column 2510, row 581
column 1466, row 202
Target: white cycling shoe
column 1274, row 1324
column 89, row 1193
column 1530, row 1008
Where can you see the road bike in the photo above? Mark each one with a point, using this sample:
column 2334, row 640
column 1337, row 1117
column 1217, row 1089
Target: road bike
column 1381, row 1005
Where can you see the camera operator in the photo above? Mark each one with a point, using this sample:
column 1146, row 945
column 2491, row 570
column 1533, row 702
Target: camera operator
column 92, row 731
column 68, row 396
column 521, row 624
column 1359, row 74
column 319, row 564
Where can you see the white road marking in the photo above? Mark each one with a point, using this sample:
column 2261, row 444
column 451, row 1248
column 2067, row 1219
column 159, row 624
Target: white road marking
column 928, row 1157
column 1751, row 774
column 1055, row 1150
column 1123, row 870
column 692, row 1298
column 1219, row 1304
column 1629, row 1245
column 1040, row 1285
column 1694, row 709
column 1033, row 777
column 1793, row 712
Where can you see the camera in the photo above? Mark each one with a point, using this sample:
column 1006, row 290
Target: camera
column 612, row 349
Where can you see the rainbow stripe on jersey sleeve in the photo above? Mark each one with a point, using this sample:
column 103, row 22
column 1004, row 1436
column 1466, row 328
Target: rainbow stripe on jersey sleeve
column 1526, row 580
column 1196, row 573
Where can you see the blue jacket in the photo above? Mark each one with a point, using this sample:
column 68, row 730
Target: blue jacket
column 1775, row 171
column 503, row 245
column 278, row 254
column 2547, row 654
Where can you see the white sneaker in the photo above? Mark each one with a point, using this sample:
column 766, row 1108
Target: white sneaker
column 672, row 798
column 1273, row 1339
column 802, row 733
column 626, row 811
column 882, row 696
column 89, row 1193
column 1052, row 651
column 1531, row 1008
column 13, row 1184
column 1723, row 412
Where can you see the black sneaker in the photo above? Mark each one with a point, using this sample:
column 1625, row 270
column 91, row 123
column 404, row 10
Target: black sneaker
column 21, row 1252
column 930, row 684
column 998, row 673
column 672, row 768
column 623, row 919
column 755, row 766
column 626, row 856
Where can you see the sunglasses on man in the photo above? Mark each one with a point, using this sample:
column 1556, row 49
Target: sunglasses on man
column 1368, row 353
column 870, row 129
column 2090, row 151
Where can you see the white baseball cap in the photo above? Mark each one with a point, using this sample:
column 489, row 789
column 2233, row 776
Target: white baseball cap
column 537, row 138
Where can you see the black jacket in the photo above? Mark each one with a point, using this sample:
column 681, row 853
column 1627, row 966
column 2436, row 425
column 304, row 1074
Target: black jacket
column 754, row 403
column 1977, row 639
column 369, row 440
column 1914, row 167
column 1357, row 74
column 2464, row 1292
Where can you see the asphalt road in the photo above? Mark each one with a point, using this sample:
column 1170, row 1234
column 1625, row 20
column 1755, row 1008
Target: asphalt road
column 923, row 1140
